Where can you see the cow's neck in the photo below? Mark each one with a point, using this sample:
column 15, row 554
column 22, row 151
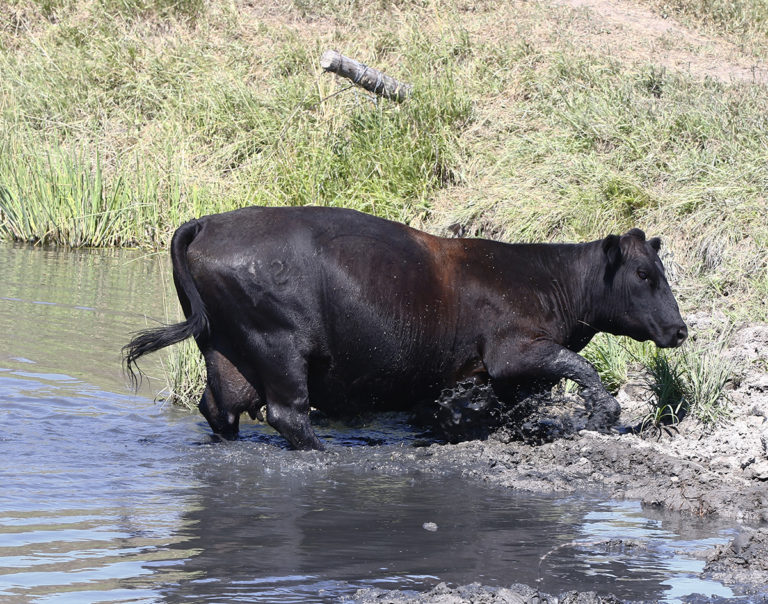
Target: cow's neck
column 577, row 266
column 593, row 293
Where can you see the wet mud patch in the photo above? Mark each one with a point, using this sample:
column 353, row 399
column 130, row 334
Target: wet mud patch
column 472, row 411
column 744, row 560
column 475, row 593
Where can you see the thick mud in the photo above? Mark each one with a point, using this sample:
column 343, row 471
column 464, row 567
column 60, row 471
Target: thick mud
column 692, row 469
column 478, row 594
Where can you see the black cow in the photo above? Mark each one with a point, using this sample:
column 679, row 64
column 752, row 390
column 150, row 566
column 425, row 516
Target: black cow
column 340, row 310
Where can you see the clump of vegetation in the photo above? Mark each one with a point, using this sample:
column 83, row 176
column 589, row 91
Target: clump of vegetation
column 184, row 374
column 668, row 405
column 63, row 198
column 692, row 382
column 615, row 358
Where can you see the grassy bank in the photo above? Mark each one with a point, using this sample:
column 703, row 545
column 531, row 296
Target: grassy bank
column 145, row 117
column 121, row 119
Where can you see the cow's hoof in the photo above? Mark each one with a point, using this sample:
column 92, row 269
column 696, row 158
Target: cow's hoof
column 604, row 416
column 597, row 427
column 225, row 436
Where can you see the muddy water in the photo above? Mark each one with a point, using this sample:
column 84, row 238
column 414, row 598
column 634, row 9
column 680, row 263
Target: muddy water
column 108, row 496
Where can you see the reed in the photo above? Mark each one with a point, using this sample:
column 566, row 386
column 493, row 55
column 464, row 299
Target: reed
column 184, row 375
column 61, row 198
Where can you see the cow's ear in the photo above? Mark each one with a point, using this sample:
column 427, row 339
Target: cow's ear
column 655, row 244
column 635, row 233
column 612, row 249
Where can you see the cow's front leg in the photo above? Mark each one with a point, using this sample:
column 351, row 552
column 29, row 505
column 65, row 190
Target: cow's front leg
column 553, row 362
column 604, row 410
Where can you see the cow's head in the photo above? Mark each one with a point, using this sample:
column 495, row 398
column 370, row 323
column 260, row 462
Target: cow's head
column 639, row 302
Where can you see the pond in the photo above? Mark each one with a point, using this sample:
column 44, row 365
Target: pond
column 108, row 496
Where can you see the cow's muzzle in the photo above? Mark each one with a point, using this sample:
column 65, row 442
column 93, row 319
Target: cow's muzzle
column 680, row 336
column 672, row 336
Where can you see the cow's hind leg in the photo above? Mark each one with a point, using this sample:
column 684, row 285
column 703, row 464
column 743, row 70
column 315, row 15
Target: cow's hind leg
column 223, row 423
column 227, row 395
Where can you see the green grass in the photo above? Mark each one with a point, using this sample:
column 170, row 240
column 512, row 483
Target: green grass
column 157, row 128
column 615, row 358
column 680, row 383
column 72, row 203
column 184, row 374
column 691, row 383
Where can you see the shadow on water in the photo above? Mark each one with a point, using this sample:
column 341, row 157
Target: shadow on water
column 110, row 497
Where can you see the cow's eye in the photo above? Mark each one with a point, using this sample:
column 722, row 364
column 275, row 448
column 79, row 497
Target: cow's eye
column 642, row 274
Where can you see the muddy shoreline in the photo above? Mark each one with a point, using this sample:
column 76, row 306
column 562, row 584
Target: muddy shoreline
column 692, row 469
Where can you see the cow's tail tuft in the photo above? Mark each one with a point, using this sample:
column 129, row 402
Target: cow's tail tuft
column 196, row 324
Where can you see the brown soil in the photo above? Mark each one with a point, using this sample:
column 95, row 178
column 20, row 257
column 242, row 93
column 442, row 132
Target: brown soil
column 631, row 32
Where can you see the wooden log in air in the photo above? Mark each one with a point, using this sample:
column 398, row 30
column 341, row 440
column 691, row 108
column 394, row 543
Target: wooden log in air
column 369, row 78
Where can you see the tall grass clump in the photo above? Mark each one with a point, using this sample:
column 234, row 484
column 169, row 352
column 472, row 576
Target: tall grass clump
column 615, row 358
column 62, row 198
column 692, row 382
column 668, row 405
column 184, row 374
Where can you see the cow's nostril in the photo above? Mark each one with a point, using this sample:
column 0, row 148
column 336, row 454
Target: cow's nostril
column 682, row 334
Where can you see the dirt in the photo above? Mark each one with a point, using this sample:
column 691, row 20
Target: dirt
column 634, row 33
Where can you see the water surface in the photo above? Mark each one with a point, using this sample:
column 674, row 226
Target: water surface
column 108, row 496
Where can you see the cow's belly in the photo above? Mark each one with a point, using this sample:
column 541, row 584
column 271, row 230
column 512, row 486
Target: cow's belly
column 335, row 394
column 380, row 365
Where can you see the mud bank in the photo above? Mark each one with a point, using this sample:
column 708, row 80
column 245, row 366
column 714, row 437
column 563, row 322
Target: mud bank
column 694, row 470
column 477, row 594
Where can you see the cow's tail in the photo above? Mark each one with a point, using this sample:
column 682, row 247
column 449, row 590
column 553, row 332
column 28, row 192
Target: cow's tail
column 196, row 324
